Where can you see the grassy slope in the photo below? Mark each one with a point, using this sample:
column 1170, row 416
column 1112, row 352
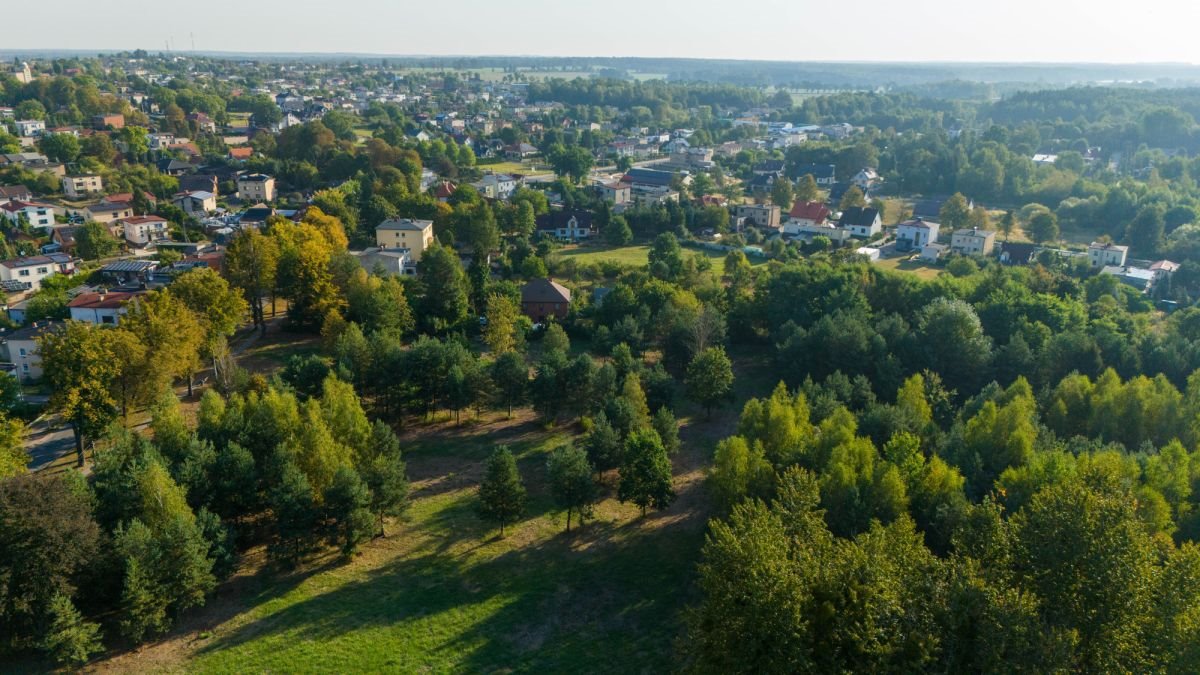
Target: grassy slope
column 639, row 255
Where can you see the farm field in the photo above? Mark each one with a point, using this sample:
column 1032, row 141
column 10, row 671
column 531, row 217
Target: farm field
column 640, row 255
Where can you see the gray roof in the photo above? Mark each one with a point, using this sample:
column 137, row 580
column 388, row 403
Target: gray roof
column 129, row 266
column 545, row 290
column 408, row 224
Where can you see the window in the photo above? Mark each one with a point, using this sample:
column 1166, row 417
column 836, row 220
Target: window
column 41, row 270
column 25, row 367
column 24, row 273
column 106, row 319
column 22, row 351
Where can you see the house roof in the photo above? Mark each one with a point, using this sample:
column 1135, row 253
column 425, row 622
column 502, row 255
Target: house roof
column 18, row 205
column 241, row 153
column 545, row 290
column 919, row 223
column 31, row 332
column 127, row 197
column 101, row 300
column 815, row 211
column 129, row 265
column 975, row 232
column 769, row 165
column 103, row 207
column 1164, row 265
column 931, row 208
column 143, row 220
column 445, row 189
column 1018, row 252
column 254, row 178
column 648, row 177
column 256, row 214
column 15, row 192
column 1107, row 246
column 407, row 224
column 818, row 171
column 859, row 215
column 31, row 261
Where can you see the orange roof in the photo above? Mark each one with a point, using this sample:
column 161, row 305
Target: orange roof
column 110, row 300
column 241, row 153
column 814, row 211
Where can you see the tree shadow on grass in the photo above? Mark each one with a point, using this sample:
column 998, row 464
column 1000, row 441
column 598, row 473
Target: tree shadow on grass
column 544, row 606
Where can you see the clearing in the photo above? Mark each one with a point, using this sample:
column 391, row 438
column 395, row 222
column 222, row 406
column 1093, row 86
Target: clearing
column 639, row 255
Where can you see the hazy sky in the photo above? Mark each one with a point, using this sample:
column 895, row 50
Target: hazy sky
column 801, row 30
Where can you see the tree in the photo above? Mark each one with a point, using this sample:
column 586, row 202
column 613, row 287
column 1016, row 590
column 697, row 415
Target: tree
column 443, row 301
column 1043, row 227
column 603, row 445
column 782, row 193
column 1008, row 223
column 500, row 333
column 94, row 241
column 618, row 233
column 501, row 494
column 251, row 261
column 70, row 639
column 62, row 148
column 510, row 373
column 806, row 189
column 955, row 212
column 304, row 276
column 210, row 297
column 385, row 476
column 171, row 332
column 79, row 364
column 347, row 505
column 646, row 472
column 854, row 197
column 1145, row 232
column 574, row 161
column 13, row 458
column 571, row 482
column 709, row 378
column 666, row 258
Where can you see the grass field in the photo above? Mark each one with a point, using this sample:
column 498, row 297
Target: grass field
column 638, row 256
column 922, row 270
column 512, row 167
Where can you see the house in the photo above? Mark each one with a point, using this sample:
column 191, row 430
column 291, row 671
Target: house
column 241, row 154
column 806, row 214
column 15, row 193
column 866, row 179
column 973, row 241
column 101, row 307
column 838, row 190
column 615, row 193
column 1102, row 254
column 759, row 215
column 131, row 271
column 639, row 178
column 1137, row 277
column 202, row 122
column 567, row 225
column 1017, row 253
column 127, row 198
column 870, row 252
column 108, row 121
column 255, row 216
column 444, row 190
column 543, row 298
column 107, row 212
column 256, row 187
column 200, row 182
column 196, row 202
column 768, row 167
column 823, row 174
column 931, row 208
column 414, row 235
column 37, row 214
column 141, row 230
column 64, row 237
column 33, row 269
column 1163, row 269
column 161, row 140
column 20, row 348
column 174, row 167
column 496, row 186
column 82, row 185
column 863, row 222
column 933, row 252
column 392, row 261
column 520, row 151
column 30, row 127
column 915, row 234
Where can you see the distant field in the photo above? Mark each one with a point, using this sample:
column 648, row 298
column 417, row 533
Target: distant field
column 639, row 256
column 920, row 269
column 511, row 167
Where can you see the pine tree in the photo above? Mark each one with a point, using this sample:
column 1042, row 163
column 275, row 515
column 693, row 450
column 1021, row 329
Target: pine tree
column 70, row 639
column 347, row 506
column 646, row 472
column 571, row 482
column 501, row 494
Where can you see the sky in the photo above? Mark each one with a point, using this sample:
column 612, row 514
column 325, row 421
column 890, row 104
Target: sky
column 1107, row 31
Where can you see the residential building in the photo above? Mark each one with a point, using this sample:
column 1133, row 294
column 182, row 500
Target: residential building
column 107, row 212
column 82, row 185
column 1017, row 253
column 915, row 234
column 933, row 252
column 543, row 298
column 1163, row 270
column 201, row 182
column 615, row 192
column 33, row 269
column 805, row 216
column 15, row 193
column 255, row 216
column 566, row 225
column 414, row 235
column 496, row 186
column 639, row 178
column 931, row 208
column 863, row 222
column 866, row 179
column 824, row 174
column 1137, row 277
column 129, row 271
column 394, row 261
column 141, row 230
column 759, row 215
column 30, row 127
column 20, row 348
column 37, row 214
column 196, row 202
column 108, row 121
column 100, row 307
column 1103, row 254
column 973, row 241
column 241, row 154
column 63, row 236
column 256, row 187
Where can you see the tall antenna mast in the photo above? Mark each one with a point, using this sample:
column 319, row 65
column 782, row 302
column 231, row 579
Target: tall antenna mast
column 193, row 42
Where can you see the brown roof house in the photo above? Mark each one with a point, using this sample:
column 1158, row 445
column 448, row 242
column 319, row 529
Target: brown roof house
column 543, row 298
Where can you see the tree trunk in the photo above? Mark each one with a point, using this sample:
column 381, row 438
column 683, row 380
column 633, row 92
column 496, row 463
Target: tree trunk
column 568, row 520
column 382, row 526
column 189, row 381
column 78, row 442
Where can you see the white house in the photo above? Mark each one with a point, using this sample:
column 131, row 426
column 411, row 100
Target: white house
column 141, row 230
column 866, row 179
column 973, row 241
column 916, row 234
column 568, row 225
column 863, row 222
column 407, row 233
column 394, row 261
column 33, row 269
column 1103, row 254
column 20, row 348
column 101, row 307
column 30, row 127
column 256, row 187
column 81, row 185
column 196, row 202
column 37, row 213
column 497, row 186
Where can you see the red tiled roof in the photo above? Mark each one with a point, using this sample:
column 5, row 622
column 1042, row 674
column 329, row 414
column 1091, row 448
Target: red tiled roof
column 241, row 153
column 814, row 211
column 110, row 300
column 142, row 220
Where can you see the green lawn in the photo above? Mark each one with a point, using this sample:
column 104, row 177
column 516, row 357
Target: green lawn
column 903, row 264
column 638, row 256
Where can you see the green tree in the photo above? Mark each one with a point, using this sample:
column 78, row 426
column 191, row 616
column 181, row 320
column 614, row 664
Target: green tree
column 70, row 639
column 510, row 373
column 252, row 261
column 1043, row 227
column 80, row 366
column 1008, row 223
column 853, row 197
column 571, row 482
column 574, row 161
column 501, row 494
column 171, row 332
column 782, row 193
column 62, row 148
column 618, row 233
column 955, row 212
column 384, row 473
column 646, row 472
column 93, row 241
column 210, row 297
column 13, row 458
column 347, row 506
column 443, row 301
column 709, row 379
column 501, row 331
